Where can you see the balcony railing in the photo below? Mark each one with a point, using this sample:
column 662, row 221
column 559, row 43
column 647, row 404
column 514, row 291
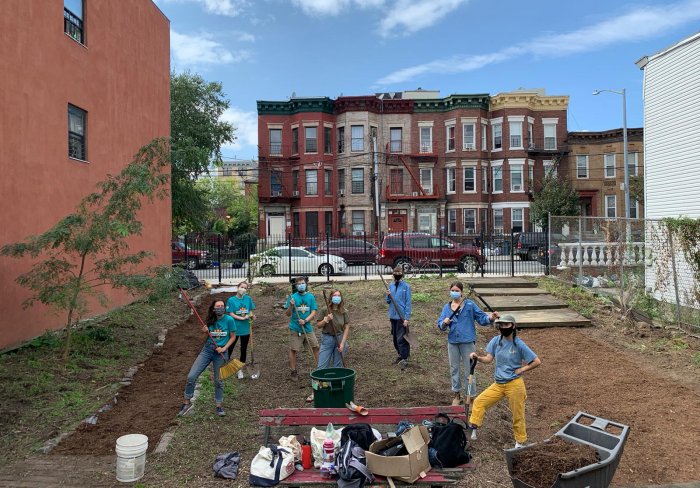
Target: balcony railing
column 600, row 254
column 72, row 25
column 408, row 190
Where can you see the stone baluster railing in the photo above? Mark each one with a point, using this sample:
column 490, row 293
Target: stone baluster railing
column 600, row 254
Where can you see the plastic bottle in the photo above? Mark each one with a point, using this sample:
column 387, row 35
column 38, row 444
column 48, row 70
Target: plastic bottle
column 328, row 451
column 306, row 459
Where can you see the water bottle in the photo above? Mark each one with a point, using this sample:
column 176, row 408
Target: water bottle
column 328, row 451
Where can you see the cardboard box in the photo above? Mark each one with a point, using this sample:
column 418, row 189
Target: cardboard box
column 406, row 468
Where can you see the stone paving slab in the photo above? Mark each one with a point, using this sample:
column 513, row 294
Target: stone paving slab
column 527, row 302
column 498, row 292
column 487, row 282
column 564, row 317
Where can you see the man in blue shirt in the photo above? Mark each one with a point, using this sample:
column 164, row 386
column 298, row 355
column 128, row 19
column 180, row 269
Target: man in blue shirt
column 301, row 309
column 400, row 291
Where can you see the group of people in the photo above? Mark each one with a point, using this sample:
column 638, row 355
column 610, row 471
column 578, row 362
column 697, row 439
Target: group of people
column 230, row 322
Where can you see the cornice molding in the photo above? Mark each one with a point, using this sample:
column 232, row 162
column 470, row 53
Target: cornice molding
column 531, row 101
column 295, row 105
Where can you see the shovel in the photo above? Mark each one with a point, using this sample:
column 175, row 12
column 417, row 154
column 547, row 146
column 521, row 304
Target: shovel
column 478, row 295
column 251, row 367
column 468, row 400
column 410, row 338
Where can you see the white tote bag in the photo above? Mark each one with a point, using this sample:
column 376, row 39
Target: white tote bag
column 271, row 465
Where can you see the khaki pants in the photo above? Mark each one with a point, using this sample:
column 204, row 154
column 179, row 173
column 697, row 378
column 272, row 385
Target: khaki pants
column 515, row 392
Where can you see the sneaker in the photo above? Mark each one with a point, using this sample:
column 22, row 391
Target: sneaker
column 519, row 445
column 456, row 399
column 403, row 363
column 185, row 409
column 293, row 374
column 473, row 428
column 398, row 360
column 240, row 374
column 220, row 411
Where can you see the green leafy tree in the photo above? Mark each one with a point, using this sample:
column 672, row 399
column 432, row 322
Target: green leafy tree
column 197, row 133
column 637, row 188
column 87, row 250
column 556, row 197
column 244, row 214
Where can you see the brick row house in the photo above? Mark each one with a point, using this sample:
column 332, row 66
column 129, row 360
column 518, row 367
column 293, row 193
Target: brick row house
column 461, row 164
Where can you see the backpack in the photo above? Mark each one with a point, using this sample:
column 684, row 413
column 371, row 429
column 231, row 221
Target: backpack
column 449, row 444
column 351, row 465
column 226, row 465
column 360, row 433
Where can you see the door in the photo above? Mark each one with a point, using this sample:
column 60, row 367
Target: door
column 275, row 226
column 398, row 223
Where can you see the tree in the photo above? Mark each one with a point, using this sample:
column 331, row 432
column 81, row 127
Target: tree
column 636, row 189
column 244, row 214
column 87, row 250
column 556, row 197
column 197, row 134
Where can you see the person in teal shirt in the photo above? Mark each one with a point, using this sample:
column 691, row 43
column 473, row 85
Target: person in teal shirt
column 240, row 306
column 223, row 332
column 301, row 309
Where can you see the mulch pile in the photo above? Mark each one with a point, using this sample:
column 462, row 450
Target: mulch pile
column 539, row 465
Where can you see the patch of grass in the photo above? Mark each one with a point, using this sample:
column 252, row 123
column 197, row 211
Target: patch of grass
column 421, row 297
column 696, row 359
column 576, row 298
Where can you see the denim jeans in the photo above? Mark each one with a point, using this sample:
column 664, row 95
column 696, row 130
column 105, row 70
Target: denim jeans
column 330, row 349
column 458, row 354
column 398, row 332
column 207, row 355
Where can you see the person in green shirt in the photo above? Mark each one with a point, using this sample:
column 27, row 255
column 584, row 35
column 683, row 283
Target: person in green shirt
column 301, row 309
column 240, row 306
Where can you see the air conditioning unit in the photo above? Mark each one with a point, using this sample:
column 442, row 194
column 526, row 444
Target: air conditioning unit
column 469, row 147
column 341, row 193
column 276, row 193
column 531, row 145
column 517, row 188
column 295, row 193
column 415, row 193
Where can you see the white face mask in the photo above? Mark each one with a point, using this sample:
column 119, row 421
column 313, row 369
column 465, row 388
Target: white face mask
column 242, row 291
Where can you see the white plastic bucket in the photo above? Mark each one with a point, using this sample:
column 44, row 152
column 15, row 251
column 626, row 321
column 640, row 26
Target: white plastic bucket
column 131, row 457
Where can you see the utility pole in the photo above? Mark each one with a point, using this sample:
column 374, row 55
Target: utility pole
column 376, row 183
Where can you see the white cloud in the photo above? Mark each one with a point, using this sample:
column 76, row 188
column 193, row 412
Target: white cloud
column 244, row 37
column 230, row 8
column 201, row 50
column 246, row 124
column 409, row 16
column 638, row 24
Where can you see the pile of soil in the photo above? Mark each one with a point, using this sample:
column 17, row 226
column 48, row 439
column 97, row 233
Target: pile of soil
column 539, row 465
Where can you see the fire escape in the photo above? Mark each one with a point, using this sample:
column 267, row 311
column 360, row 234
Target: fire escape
column 398, row 162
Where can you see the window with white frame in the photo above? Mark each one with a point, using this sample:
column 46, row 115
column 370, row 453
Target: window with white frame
column 396, row 139
column 550, row 137
column 311, row 181
column 275, row 141
column 327, row 189
column 426, row 180
column 469, row 136
column 426, row 139
column 469, row 173
column 632, row 164
column 451, row 180
column 358, row 222
column 611, row 206
column 358, row 180
column 497, row 130
column 550, row 169
column 484, row 143
column 530, row 135
column 341, row 181
column 452, row 221
column 327, row 142
column 484, row 178
column 516, row 219
column 516, row 178
column 77, row 141
column 581, row 166
column 609, row 165
column 470, row 220
column 498, row 220
column 497, row 179
column 341, row 139
column 450, row 138
column 310, row 139
column 516, row 134
column 295, row 140
column 530, row 176
column 357, row 136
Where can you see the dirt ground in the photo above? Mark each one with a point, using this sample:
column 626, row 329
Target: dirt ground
column 604, row 371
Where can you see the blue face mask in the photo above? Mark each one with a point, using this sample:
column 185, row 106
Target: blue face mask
column 336, row 300
column 455, row 294
column 301, row 287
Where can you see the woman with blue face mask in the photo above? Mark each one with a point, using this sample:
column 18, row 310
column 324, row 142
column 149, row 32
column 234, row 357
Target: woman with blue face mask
column 334, row 326
column 458, row 317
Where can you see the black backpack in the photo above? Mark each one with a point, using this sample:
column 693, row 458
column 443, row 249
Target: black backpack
column 449, row 440
column 360, row 433
column 352, row 466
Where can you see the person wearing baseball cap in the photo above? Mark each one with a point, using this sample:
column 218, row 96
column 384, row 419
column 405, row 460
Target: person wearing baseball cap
column 513, row 358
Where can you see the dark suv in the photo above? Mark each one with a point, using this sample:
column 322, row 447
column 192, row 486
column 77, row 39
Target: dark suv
column 418, row 247
column 528, row 245
column 354, row 251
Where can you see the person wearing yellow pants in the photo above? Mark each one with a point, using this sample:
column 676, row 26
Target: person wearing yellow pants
column 510, row 352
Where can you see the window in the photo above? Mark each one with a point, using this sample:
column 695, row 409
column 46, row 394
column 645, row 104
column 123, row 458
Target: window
column 452, row 221
column 311, row 224
column 76, row 133
column 451, row 180
column 516, row 178
column 469, row 136
column 426, row 139
column 469, row 179
column 276, row 142
column 497, row 136
column 358, row 222
column 632, row 165
column 634, row 209
column 327, row 182
column 426, row 223
column 483, row 138
column 341, row 140
column 530, row 176
column 422, row 242
column 426, row 180
column 450, row 138
column 343, row 221
column 328, row 221
column 358, row 180
column 310, row 139
column 396, row 180
column 609, row 163
column 498, row 220
column 295, row 140
column 550, row 136
column 516, row 219
column 327, row 146
column 276, row 183
column 295, row 224
column 295, row 180
column 73, row 20
column 396, row 139
column 549, row 169
column 581, row 167
column 470, row 220
column 516, row 135
column 341, row 181
column 484, row 179
column 531, row 135
column 610, row 206
column 497, row 179
column 312, row 182
column 357, row 144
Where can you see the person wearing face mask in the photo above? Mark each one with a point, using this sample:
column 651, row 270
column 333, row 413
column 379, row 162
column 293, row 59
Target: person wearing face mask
column 334, row 326
column 301, row 309
column 510, row 353
column 240, row 306
column 223, row 330
column 401, row 292
column 458, row 316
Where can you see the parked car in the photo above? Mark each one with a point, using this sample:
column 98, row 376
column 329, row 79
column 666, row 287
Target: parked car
column 552, row 255
column 193, row 259
column 354, row 251
column 419, row 246
column 277, row 260
column 528, row 244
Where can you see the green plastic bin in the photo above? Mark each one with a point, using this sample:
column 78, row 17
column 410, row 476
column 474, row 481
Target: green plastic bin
column 333, row 387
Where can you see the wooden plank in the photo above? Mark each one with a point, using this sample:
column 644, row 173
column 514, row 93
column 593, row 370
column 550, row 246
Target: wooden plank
column 549, row 318
column 312, row 477
column 502, row 283
column 506, row 292
column 382, row 415
column 531, row 302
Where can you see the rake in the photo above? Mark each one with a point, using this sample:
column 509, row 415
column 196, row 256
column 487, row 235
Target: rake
column 228, row 369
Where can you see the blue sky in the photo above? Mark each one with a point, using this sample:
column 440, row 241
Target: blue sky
column 270, row 49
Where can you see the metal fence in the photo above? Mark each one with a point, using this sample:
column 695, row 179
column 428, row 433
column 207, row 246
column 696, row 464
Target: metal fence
column 220, row 258
column 640, row 263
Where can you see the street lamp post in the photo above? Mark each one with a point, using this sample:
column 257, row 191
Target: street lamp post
column 624, row 143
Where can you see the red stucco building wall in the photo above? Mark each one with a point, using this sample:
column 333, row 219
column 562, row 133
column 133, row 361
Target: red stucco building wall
column 120, row 76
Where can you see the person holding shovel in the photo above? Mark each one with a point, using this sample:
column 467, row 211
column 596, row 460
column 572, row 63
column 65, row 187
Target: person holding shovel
column 240, row 306
column 222, row 332
column 458, row 316
column 335, row 328
column 301, row 309
column 400, row 291
column 510, row 352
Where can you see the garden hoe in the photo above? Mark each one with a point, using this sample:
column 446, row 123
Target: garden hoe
column 410, row 338
column 252, row 368
column 228, row 369
column 335, row 334
column 478, row 295
column 468, row 400
column 303, row 329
